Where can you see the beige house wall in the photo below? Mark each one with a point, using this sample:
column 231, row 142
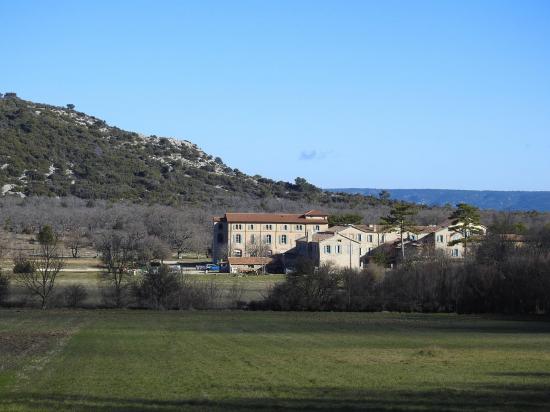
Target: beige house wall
column 442, row 238
column 368, row 240
column 339, row 251
column 240, row 236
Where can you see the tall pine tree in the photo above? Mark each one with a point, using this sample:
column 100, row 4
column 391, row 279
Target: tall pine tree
column 400, row 218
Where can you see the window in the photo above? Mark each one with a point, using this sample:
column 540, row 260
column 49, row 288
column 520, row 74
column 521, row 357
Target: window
column 238, row 226
column 285, row 227
column 268, row 227
column 317, row 228
column 252, row 239
column 220, row 237
column 440, row 238
column 455, row 253
column 359, row 237
column 238, row 238
column 369, row 238
column 237, row 253
column 327, row 249
column 251, row 227
column 338, row 249
column 268, row 239
column 299, row 227
column 383, row 238
column 283, row 239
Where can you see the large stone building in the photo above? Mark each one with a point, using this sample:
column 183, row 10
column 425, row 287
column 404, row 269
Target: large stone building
column 269, row 237
column 242, row 235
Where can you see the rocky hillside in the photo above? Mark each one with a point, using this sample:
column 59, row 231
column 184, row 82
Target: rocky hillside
column 56, row 151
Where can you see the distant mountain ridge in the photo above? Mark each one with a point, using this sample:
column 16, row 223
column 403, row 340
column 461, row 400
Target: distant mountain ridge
column 485, row 199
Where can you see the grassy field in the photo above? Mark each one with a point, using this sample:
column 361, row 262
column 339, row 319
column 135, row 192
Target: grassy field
column 219, row 361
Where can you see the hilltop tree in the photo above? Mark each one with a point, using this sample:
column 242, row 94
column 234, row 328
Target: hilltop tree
column 384, row 195
column 465, row 220
column 70, row 106
column 400, row 218
column 38, row 274
column 303, row 185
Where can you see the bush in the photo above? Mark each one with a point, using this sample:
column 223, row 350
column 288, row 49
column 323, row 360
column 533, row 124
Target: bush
column 159, row 288
column 199, row 295
column 23, row 265
column 307, row 289
column 74, row 295
column 4, row 287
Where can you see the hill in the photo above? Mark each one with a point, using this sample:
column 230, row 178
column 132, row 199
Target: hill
column 485, row 199
column 57, row 151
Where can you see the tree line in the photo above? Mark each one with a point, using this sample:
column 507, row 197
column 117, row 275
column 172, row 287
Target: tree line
column 501, row 273
column 130, row 236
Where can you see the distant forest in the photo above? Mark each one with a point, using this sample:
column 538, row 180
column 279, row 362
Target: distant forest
column 484, row 199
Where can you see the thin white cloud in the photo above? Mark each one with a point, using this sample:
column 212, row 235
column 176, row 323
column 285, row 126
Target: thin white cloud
column 313, row 155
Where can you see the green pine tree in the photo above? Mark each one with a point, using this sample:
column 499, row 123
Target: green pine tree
column 466, row 221
column 400, row 218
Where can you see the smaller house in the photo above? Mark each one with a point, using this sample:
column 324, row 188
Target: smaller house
column 330, row 248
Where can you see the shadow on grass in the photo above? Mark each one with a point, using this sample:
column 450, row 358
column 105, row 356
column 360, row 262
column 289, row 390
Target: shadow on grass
column 489, row 397
column 525, row 375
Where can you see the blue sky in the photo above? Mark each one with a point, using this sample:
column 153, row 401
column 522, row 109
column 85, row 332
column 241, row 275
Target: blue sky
column 393, row 94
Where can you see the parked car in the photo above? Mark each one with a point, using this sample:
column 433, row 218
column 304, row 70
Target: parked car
column 209, row 267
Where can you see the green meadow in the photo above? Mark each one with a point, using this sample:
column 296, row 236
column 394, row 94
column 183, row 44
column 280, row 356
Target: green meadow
column 108, row 360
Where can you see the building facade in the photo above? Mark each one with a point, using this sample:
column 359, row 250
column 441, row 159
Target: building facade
column 262, row 234
column 251, row 241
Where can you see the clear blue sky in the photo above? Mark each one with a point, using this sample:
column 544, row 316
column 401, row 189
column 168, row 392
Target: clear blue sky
column 393, row 94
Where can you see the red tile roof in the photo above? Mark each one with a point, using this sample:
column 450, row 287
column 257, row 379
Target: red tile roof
column 249, row 260
column 315, row 213
column 268, row 218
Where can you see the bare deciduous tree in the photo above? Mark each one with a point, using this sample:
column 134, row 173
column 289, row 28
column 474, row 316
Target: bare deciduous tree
column 119, row 252
column 38, row 273
column 75, row 240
